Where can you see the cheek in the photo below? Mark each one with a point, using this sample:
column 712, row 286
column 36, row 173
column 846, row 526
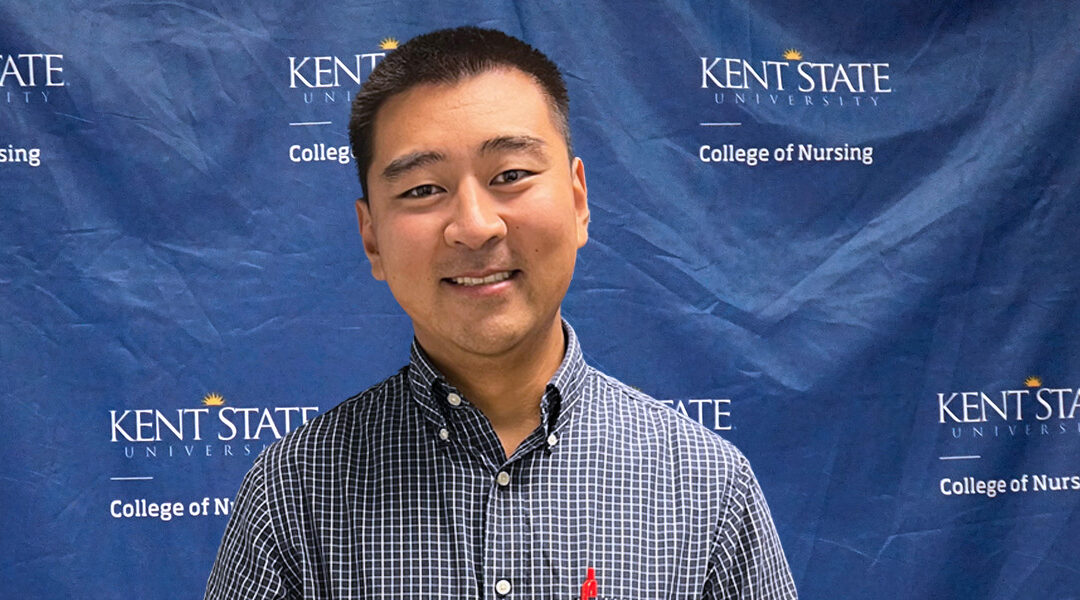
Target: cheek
column 405, row 254
column 407, row 240
column 552, row 243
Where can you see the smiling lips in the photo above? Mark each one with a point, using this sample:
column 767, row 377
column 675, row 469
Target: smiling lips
column 486, row 280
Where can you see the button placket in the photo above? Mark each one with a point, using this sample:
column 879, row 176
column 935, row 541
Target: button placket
column 503, row 517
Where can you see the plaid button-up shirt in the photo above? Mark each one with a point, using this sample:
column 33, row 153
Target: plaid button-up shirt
column 404, row 491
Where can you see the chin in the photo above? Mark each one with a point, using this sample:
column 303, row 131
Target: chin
column 492, row 336
column 486, row 342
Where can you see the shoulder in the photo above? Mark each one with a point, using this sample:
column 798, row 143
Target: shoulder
column 634, row 415
column 705, row 478
column 337, row 431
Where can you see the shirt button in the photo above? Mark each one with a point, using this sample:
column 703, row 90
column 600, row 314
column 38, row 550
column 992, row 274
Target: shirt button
column 453, row 399
column 444, row 434
column 553, row 439
column 503, row 479
column 502, row 587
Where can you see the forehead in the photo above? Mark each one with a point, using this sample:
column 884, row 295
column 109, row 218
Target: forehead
column 441, row 116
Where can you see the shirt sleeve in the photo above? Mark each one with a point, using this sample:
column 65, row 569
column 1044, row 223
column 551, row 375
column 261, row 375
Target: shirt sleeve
column 747, row 561
column 248, row 564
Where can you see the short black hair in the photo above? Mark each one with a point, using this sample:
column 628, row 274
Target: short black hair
column 448, row 56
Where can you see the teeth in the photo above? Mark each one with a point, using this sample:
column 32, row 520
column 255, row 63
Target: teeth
column 493, row 278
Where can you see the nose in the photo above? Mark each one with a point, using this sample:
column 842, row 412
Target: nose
column 476, row 219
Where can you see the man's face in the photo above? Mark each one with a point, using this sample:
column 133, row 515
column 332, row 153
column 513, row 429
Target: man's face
column 475, row 212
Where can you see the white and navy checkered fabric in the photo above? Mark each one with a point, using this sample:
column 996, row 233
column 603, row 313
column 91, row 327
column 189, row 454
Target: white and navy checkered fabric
column 404, row 491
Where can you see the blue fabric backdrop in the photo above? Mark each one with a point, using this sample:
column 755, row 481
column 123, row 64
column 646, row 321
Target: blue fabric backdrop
column 882, row 315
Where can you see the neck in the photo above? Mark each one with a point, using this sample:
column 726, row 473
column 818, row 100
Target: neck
column 508, row 387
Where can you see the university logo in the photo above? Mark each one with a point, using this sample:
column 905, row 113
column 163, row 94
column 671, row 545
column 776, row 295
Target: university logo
column 31, row 70
column 328, row 80
column 714, row 413
column 1034, row 409
column 792, row 80
column 331, row 72
column 30, row 77
column 212, row 429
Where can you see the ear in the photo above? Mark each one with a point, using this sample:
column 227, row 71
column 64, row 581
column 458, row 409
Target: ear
column 581, row 200
column 367, row 234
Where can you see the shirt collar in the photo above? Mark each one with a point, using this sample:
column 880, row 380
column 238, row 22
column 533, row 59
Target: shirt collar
column 564, row 391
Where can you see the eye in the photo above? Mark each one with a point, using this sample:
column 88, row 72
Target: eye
column 421, row 191
column 511, row 176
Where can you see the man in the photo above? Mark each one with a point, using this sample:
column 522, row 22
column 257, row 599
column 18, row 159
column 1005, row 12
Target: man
column 496, row 463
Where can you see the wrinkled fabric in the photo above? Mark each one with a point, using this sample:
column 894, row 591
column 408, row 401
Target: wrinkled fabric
column 189, row 231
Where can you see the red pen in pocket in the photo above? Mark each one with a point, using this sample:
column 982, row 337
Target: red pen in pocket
column 588, row 589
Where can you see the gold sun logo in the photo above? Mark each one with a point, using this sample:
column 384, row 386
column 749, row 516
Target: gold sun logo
column 388, row 44
column 213, row 399
column 792, row 54
column 1033, row 382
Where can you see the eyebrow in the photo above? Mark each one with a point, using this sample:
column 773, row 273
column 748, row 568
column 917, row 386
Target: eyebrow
column 515, row 143
column 504, row 143
column 414, row 160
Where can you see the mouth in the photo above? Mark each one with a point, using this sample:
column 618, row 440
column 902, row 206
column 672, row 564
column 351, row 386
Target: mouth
column 492, row 278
